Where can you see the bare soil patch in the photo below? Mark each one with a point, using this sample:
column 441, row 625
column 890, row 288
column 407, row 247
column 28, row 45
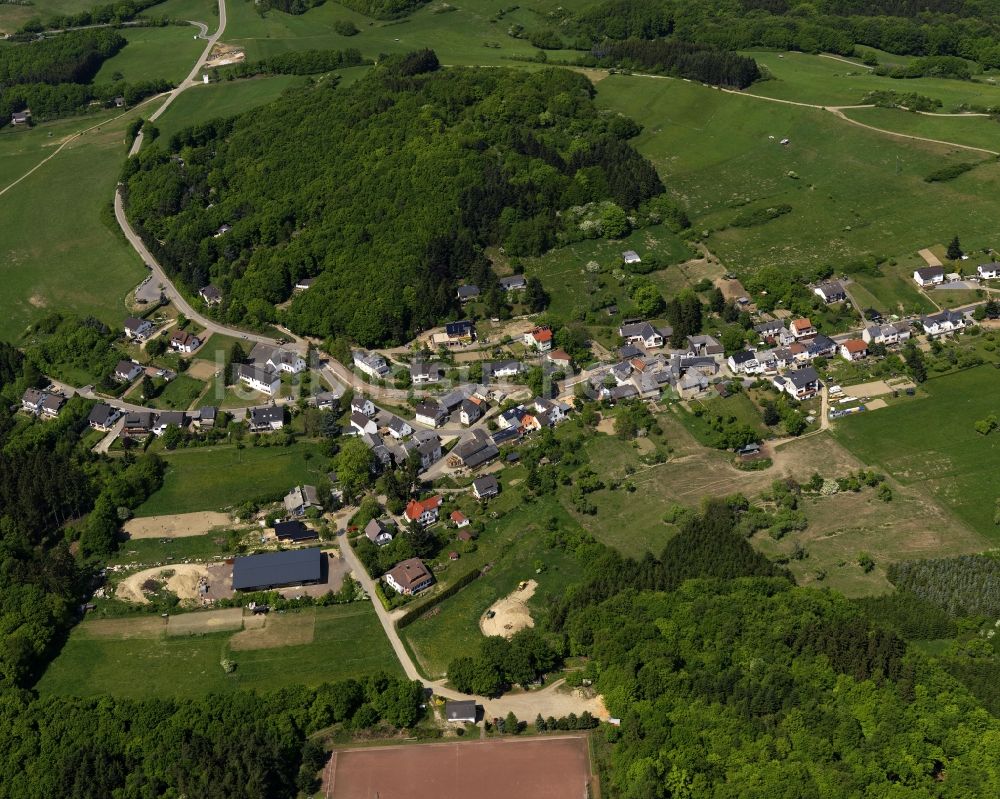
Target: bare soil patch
column 177, row 525
column 606, row 426
column 277, row 630
column 536, row 768
column 223, row 54
column 510, row 614
column 209, row 621
column 872, row 389
column 875, row 404
column 202, row 369
column 182, row 579
column 930, row 257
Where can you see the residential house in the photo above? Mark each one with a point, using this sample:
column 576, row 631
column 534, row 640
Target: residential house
column 184, row 342
column 304, row 283
column 207, row 417
column 361, row 404
column 559, row 358
column 743, row 362
column 886, row 334
column 485, row 487
column 929, row 276
column 423, row 372
column 52, row 404
column 988, row 271
column 167, row 419
column 774, row 332
column 626, row 391
column 371, row 363
column 21, row 117
column 32, row 399
column 800, row 353
column 423, row 511
column 768, row 361
column 103, row 417
column 138, row 329
column 821, row 347
column 293, row 531
column 222, row 230
column 430, row 413
column 801, row 384
column 513, row 283
column 833, row 291
column 459, row 332
column 802, row 328
column 501, row 369
column 379, row 533
column 127, row 371
column 300, row 499
column 363, row 424
column 266, row 418
column 265, row 380
column 459, row 519
column 631, row 257
column 641, row 333
column 326, row 400
column 460, row 711
column 467, row 293
column 469, row 412
column 554, row 410
column 540, row 338
column 704, row 345
column 510, row 418
column 475, row 450
column 398, row 428
column 943, row 323
column 282, row 360
column 138, row 424
column 210, row 294
column 854, row 349
column 409, row 577
column 430, row 452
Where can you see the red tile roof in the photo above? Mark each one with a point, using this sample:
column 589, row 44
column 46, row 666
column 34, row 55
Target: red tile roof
column 415, row 508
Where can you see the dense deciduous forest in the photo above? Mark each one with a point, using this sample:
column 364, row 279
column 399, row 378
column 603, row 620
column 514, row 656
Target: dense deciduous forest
column 68, row 58
column 384, row 9
column 962, row 28
column 677, row 58
column 387, row 191
column 302, row 62
column 65, row 99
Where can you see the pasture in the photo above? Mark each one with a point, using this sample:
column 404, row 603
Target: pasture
column 932, row 446
column 975, row 131
column 135, row 657
column 852, row 191
column 167, row 52
column 892, row 291
column 13, row 17
column 822, row 80
column 217, row 477
column 59, row 234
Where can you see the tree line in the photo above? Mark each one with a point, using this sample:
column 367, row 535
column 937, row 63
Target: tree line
column 491, row 155
column 677, row 58
column 303, row 62
column 73, row 57
column 64, row 99
column 106, row 14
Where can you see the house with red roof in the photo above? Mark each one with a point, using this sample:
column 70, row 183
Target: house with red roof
column 423, row 511
column 540, row 338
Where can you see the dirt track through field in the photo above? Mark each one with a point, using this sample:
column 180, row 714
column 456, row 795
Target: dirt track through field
column 510, row 614
column 211, row 621
column 177, row 525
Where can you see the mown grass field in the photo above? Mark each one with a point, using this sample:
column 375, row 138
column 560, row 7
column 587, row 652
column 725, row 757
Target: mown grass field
column 206, row 11
column 348, row 642
column 214, row 478
column 167, row 52
column 894, row 290
column 13, row 17
column 61, row 249
column 932, row 445
column 973, row 131
column 454, row 629
column 821, row 80
column 202, row 103
column 852, row 191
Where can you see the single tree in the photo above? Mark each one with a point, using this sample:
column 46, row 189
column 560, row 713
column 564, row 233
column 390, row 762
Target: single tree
column 954, row 249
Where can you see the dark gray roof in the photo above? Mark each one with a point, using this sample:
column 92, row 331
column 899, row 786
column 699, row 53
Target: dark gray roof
column 431, row 409
column 802, row 377
column 101, row 414
column 487, row 484
column 743, row 356
column 267, row 414
column 139, row 419
column 294, row 530
column 208, row 412
column 375, row 528
column 513, row 282
column 176, row 418
column 930, row 271
column 457, row 709
column 468, row 292
column 277, row 568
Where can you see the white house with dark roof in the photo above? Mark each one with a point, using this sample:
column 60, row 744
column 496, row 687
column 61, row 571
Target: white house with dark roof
column 423, row 372
column 266, row 418
column 398, row 428
column 181, row 341
column 467, row 293
column 988, row 271
column 928, row 276
column 485, row 487
column 282, row 360
column 379, row 533
column 469, row 412
column 265, row 380
column 500, row 369
column 887, row 334
column 362, row 404
column 941, row 324
column 801, row 384
column 641, row 333
column 300, row 499
column 137, row 329
column 743, row 362
column 127, row 371
column 103, row 417
column 169, row 419
column 513, row 283
column 371, row 363
column 210, row 294
column 430, row 413
column 363, row 424
column 830, row 292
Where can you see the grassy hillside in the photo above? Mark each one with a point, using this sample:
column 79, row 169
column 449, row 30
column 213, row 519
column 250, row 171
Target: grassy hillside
column 168, row 53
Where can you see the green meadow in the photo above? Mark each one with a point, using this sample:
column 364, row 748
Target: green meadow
column 167, row 52
column 13, row 17
column 974, row 131
column 932, row 444
column 122, row 658
column 61, row 248
column 215, row 478
column 853, row 192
